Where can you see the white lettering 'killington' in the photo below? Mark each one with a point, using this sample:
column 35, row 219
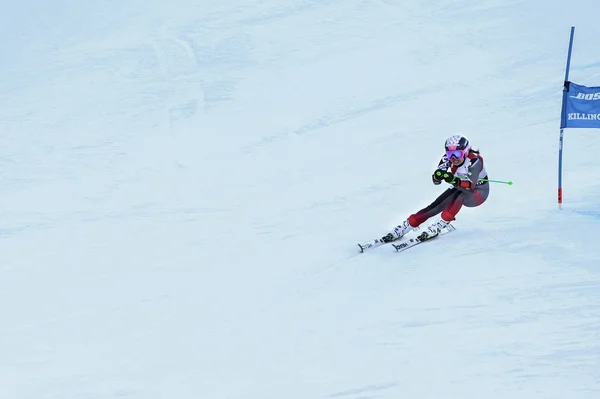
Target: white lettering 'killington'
column 587, row 117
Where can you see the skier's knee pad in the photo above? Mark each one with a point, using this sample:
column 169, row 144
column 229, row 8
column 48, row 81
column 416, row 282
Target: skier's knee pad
column 448, row 216
column 415, row 220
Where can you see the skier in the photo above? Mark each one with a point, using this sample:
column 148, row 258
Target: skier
column 462, row 167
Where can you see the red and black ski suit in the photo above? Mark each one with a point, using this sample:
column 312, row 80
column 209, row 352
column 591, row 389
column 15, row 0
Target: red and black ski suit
column 469, row 191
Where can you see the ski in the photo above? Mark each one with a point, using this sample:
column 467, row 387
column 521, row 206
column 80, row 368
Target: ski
column 404, row 242
column 423, row 237
column 370, row 245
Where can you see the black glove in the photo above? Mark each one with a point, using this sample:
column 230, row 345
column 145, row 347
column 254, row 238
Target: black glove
column 437, row 176
column 440, row 175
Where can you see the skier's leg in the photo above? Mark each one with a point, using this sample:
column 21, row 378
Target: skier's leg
column 416, row 219
column 437, row 206
column 452, row 208
column 468, row 199
column 478, row 196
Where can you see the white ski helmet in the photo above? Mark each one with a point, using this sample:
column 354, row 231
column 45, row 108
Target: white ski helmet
column 457, row 146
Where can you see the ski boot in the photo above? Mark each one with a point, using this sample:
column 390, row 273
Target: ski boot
column 435, row 229
column 439, row 226
column 398, row 232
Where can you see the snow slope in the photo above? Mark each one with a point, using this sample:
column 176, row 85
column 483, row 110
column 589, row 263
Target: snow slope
column 183, row 185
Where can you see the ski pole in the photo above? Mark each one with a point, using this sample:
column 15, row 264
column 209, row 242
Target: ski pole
column 510, row 183
column 445, row 175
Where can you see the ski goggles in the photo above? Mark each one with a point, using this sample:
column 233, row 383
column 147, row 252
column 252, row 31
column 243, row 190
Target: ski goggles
column 458, row 154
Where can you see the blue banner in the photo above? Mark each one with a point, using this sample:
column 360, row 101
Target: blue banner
column 581, row 106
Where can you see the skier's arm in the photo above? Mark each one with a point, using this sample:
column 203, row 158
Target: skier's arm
column 443, row 166
column 444, row 163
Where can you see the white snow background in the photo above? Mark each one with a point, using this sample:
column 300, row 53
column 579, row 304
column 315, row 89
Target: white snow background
column 183, row 184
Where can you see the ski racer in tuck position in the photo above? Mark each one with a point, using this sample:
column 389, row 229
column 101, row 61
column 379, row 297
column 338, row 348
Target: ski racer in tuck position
column 463, row 168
